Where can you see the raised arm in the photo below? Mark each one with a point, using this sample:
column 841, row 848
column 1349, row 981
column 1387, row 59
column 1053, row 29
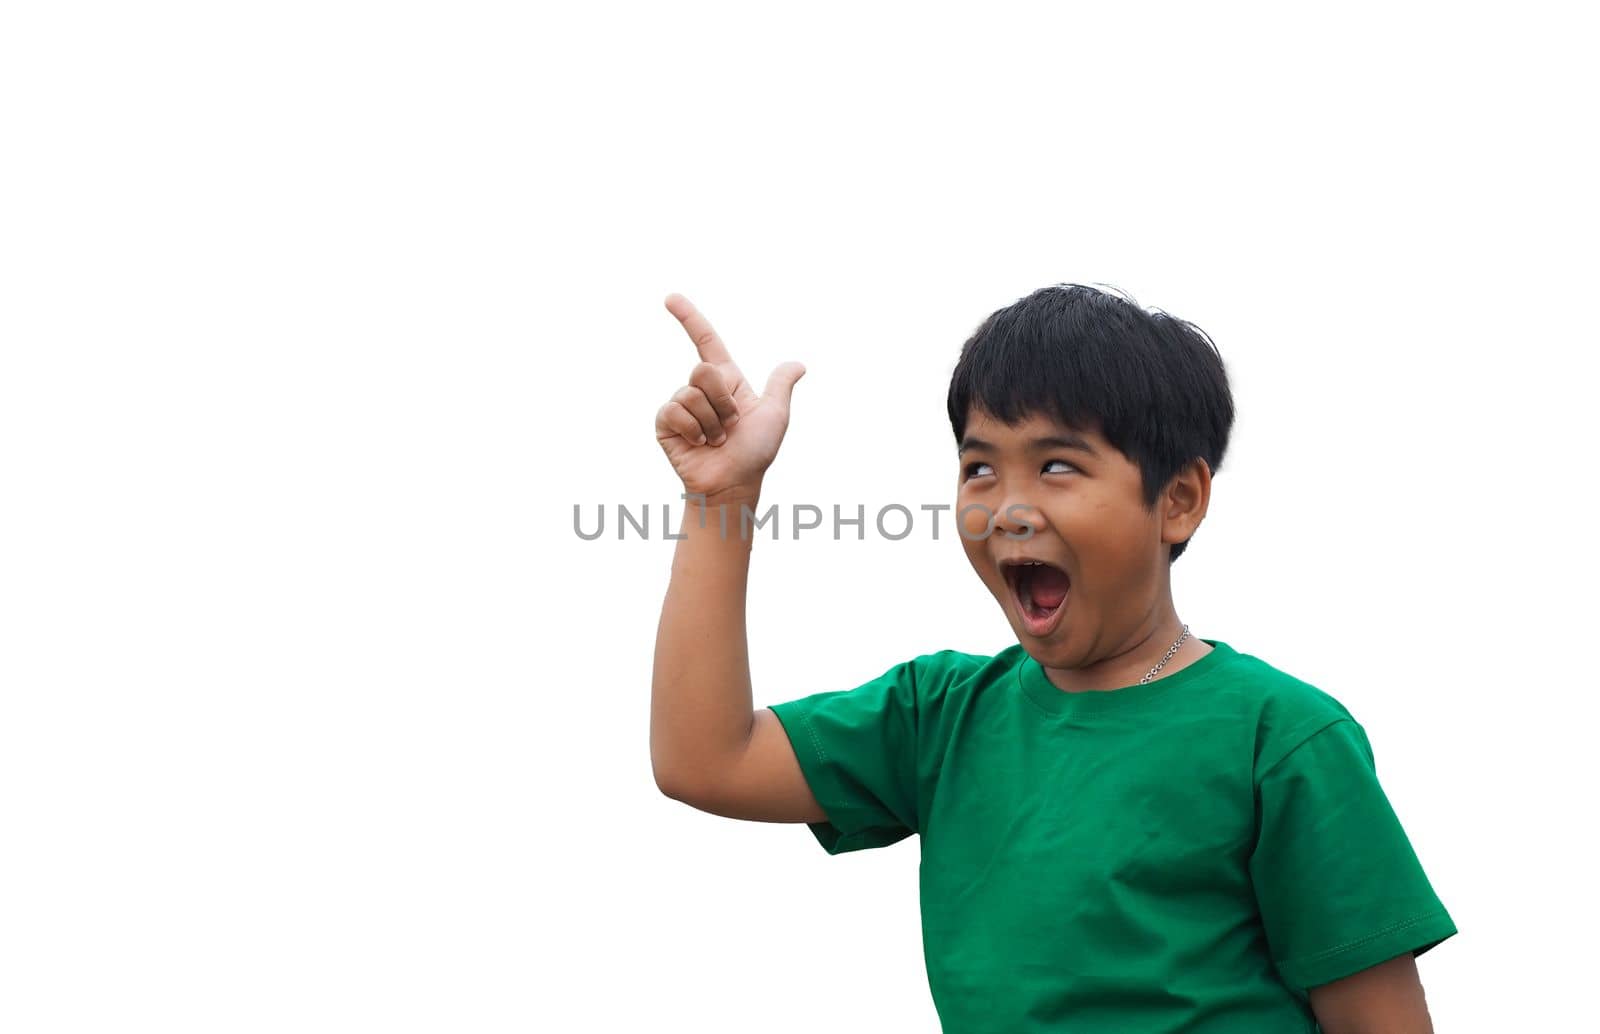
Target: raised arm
column 707, row 747
column 1382, row 999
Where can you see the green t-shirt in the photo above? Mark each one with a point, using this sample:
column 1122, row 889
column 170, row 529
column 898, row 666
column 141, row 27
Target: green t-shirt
column 1193, row 853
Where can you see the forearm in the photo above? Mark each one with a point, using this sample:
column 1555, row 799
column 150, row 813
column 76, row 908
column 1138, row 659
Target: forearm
column 700, row 700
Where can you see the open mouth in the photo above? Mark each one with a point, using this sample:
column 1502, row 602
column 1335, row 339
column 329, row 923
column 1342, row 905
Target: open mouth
column 1040, row 591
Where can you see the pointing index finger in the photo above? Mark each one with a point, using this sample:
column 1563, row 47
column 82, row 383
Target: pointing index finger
column 712, row 350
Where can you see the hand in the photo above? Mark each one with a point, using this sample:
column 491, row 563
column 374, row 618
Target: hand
column 718, row 433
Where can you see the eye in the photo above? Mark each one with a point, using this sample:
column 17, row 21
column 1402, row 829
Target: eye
column 1050, row 463
column 972, row 470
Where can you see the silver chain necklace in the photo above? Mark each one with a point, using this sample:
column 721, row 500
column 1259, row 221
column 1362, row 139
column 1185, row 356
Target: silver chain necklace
column 1168, row 657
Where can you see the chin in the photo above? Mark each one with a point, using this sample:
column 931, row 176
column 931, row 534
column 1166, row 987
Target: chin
column 1038, row 647
column 1048, row 653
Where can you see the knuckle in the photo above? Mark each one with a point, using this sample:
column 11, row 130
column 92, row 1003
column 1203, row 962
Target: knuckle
column 705, row 376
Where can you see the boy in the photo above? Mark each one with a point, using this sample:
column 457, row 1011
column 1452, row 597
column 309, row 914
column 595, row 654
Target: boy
column 1124, row 828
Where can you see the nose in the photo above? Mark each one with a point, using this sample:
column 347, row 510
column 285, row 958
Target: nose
column 1019, row 518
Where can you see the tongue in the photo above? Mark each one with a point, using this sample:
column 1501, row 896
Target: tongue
column 1048, row 587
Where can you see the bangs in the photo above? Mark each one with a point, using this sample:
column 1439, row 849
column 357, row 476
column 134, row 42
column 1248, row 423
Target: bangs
column 1154, row 386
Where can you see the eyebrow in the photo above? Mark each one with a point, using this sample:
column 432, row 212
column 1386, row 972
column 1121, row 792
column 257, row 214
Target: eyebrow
column 1055, row 441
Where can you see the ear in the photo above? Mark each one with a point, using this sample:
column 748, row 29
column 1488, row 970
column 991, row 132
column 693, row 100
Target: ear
column 1183, row 504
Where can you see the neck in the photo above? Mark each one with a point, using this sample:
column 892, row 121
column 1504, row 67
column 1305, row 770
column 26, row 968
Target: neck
column 1134, row 659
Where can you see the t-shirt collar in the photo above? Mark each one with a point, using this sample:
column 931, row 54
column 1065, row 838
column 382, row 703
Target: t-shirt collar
column 1039, row 688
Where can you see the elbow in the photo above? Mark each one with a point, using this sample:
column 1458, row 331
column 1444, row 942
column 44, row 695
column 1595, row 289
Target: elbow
column 697, row 790
column 670, row 784
column 664, row 782
column 669, row 789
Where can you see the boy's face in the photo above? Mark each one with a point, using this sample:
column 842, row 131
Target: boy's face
column 1105, row 571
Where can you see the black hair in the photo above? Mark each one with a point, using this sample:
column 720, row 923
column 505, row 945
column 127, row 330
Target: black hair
column 1154, row 386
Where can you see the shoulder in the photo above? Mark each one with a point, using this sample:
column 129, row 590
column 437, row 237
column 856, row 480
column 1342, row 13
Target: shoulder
column 942, row 685
column 1286, row 710
column 944, row 671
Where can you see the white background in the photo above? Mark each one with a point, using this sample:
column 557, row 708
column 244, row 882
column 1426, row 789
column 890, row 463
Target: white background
column 318, row 319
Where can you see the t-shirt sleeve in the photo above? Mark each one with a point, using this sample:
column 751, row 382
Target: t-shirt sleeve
column 858, row 751
column 1338, row 884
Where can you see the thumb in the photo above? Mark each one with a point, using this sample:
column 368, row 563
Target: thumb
column 780, row 384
